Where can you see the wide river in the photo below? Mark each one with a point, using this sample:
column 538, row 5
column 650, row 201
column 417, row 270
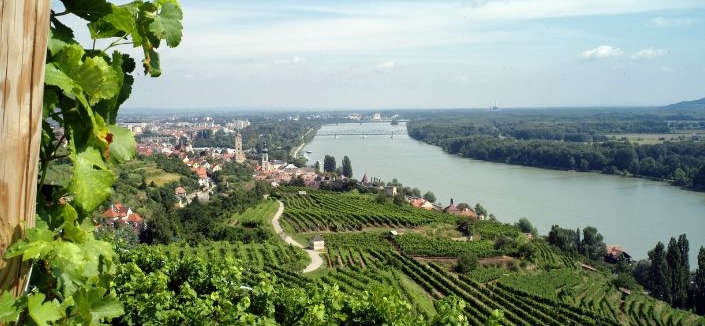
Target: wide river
column 632, row 212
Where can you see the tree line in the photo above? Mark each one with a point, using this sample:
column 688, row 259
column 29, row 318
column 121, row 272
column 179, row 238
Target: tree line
column 681, row 162
column 330, row 166
column 667, row 275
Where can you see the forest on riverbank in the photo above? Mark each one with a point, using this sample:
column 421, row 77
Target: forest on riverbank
column 663, row 144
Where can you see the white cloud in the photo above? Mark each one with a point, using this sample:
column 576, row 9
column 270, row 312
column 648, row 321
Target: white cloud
column 649, row 53
column 667, row 22
column 602, row 52
column 386, row 65
column 290, row 61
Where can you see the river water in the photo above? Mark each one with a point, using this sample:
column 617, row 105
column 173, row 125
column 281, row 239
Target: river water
column 634, row 213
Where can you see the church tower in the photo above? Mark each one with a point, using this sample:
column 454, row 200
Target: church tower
column 265, row 158
column 239, row 153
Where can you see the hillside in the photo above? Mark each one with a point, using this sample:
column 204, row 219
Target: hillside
column 687, row 105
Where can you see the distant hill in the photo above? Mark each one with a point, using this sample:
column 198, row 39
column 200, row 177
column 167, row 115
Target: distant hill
column 696, row 104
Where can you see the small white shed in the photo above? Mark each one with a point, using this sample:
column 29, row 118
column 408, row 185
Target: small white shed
column 317, row 243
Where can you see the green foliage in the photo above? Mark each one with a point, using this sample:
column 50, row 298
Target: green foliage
column 329, row 164
column 525, row 226
column 465, row 225
column 320, row 210
column 215, row 291
column 467, row 261
column 678, row 271
column 699, row 283
column 416, row 244
column 592, row 245
column 430, row 196
column 564, row 239
column 625, row 280
column 347, row 167
column 71, row 270
column 569, row 140
column 659, row 276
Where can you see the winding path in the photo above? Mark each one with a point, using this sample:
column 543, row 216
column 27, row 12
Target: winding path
column 316, row 260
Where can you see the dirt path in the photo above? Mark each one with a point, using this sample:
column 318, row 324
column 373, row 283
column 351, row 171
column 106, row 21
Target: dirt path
column 316, row 260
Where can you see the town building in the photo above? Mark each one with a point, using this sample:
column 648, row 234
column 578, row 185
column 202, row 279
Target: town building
column 616, row 254
column 239, row 153
column 119, row 213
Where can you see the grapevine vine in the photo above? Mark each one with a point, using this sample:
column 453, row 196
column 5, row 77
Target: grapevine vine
column 71, row 273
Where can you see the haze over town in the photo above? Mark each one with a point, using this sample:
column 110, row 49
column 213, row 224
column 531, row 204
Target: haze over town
column 413, row 54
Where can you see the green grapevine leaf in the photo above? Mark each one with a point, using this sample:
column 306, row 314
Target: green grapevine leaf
column 123, row 147
column 41, row 312
column 60, row 35
column 51, row 101
column 90, row 10
column 123, row 17
column 70, row 230
column 128, row 66
column 101, row 29
column 122, row 65
column 95, row 250
column 94, row 76
column 93, row 303
column 97, row 79
column 91, row 182
column 39, row 242
column 56, row 77
column 167, row 25
column 151, row 64
column 8, row 307
column 118, row 23
column 67, row 266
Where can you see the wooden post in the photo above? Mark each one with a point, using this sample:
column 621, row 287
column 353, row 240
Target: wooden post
column 24, row 28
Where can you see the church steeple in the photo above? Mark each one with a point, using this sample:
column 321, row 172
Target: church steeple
column 265, row 158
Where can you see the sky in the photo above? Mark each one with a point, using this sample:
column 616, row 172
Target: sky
column 431, row 54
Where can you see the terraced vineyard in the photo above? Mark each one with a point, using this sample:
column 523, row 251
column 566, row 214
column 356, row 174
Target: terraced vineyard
column 328, row 211
column 255, row 255
column 554, row 291
column 416, row 244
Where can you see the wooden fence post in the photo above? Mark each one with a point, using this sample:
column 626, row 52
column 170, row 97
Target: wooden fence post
column 24, row 28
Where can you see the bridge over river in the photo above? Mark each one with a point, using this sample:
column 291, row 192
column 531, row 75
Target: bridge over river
column 363, row 133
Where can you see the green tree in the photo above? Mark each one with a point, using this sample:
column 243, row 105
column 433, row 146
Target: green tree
column 399, row 199
column 467, row 261
column 564, row 239
column 160, row 229
column 659, row 275
column 329, row 164
column 481, row 211
column 699, row 283
column 465, row 225
column 347, row 167
column 525, row 226
column 680, row 178
column 416, row 192
column 699, row 178
column 463, row 206
column 679, row 272
column 592, row 245
column 430, row 196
